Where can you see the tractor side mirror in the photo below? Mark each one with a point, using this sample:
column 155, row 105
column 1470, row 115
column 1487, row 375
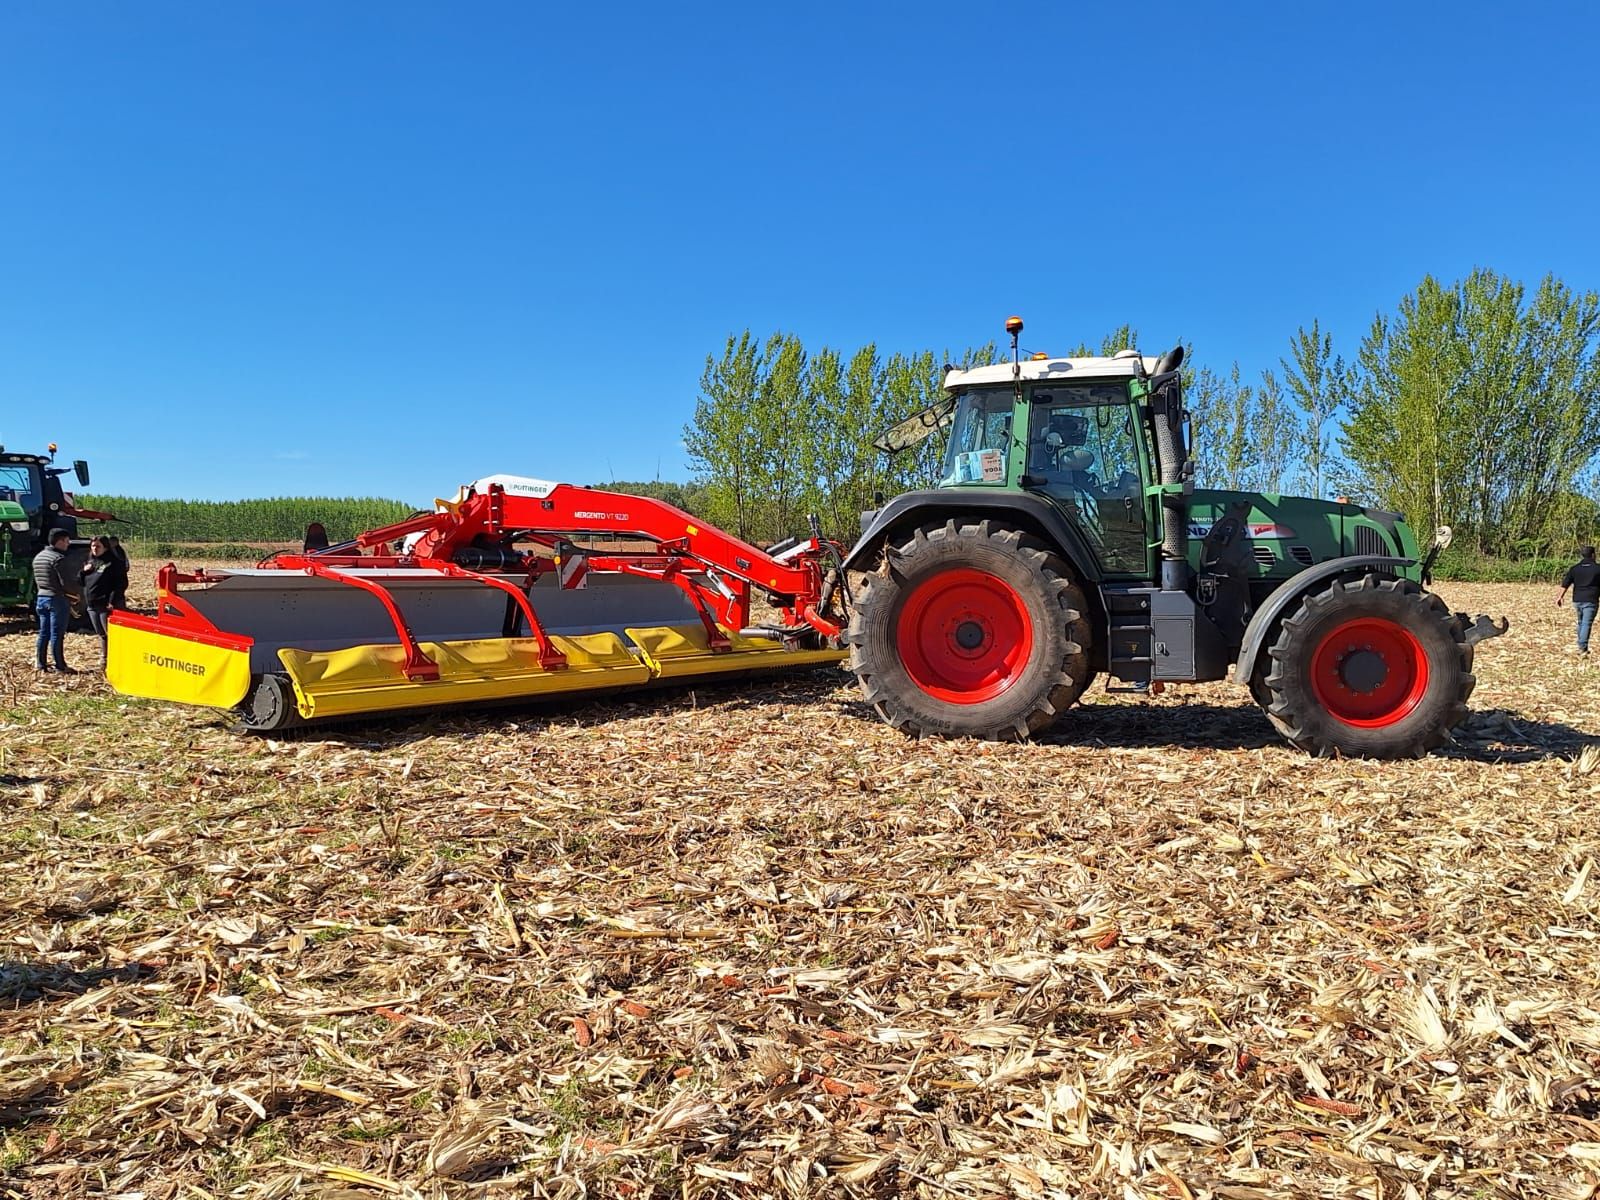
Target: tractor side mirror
column 81, row 469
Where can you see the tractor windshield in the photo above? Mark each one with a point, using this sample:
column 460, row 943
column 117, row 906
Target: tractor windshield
column 979, row 438
column 20, row 482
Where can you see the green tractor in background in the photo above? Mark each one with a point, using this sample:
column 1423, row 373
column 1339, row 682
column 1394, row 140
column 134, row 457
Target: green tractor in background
column 32, row 503
column 1066, row 538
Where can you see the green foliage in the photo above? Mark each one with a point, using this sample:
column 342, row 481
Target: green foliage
column 721, row 440
column 1223, row 428
column 779, row 433
column 1123, row 337
column 844, row 398
column 1468, row 566
column 1243, row 435
column 690, row 497
column 281, row 519
column 1318, row 383
column 1475, row 406
column 1276, row 438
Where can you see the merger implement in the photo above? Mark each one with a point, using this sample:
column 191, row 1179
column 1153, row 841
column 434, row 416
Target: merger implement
column 517, row 588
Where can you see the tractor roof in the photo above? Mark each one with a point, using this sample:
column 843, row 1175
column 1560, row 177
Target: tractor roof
column 1047, row 368
column 24, row 458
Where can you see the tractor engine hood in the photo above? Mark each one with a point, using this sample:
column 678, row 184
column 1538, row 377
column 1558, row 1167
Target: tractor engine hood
column 1314, row 530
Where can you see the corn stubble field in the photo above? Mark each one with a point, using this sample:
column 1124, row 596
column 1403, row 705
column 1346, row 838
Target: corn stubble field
column 745, row 941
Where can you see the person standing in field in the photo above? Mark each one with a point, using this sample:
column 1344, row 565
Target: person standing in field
column 1583, row 577
column 119, row 598
column 103, row 577
column 54, row 604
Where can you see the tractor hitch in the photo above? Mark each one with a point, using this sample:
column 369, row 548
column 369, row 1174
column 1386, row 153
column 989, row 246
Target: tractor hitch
column 1482, row 628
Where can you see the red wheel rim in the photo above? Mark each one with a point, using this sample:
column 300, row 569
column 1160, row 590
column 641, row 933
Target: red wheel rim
column 964, row 636
column 1370, row 672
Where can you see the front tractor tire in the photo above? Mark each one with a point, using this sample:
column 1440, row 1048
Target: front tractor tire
column 1369, row 668
column 970, row 630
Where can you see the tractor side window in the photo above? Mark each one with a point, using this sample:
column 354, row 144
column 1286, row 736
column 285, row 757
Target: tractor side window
column 1083, row 444
column 979, row 437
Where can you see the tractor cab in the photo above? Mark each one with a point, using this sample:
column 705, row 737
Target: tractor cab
column 1069, row 430
column 32, row 482
column 32, row 503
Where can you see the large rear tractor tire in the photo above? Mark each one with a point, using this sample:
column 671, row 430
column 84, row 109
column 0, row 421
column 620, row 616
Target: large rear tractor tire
column 1369, row 668
column 970, row 630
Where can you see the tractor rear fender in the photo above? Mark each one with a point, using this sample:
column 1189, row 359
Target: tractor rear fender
column 1289, row 592
column 1023, row 510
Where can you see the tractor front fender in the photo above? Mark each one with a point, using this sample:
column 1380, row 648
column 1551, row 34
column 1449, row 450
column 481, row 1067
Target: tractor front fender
column 1290, row 591
column 1022, row 509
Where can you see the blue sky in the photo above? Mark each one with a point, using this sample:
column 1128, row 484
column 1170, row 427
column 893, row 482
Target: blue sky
column 251, row 249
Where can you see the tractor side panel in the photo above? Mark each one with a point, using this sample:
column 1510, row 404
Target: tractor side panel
column 1285, row 534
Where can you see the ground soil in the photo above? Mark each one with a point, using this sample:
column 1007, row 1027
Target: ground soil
column 746, row 940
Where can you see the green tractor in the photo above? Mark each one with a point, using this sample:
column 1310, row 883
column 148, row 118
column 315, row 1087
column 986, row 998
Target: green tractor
column 32, row 503
column 1066, row 538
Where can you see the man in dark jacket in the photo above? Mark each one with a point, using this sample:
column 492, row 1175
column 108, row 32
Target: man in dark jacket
column 54, row 605
column 1584, row 580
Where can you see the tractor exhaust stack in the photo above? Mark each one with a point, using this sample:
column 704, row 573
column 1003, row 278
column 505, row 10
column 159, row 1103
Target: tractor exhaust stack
column 1167, row 408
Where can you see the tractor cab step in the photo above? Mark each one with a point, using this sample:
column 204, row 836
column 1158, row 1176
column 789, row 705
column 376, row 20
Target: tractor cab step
column 1140, row 688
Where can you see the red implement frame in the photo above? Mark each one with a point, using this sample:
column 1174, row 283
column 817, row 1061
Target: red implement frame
column 716, row 570
column 684, row 550
column 174, row 612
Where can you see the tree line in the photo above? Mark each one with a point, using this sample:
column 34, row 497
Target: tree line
column 280, row 519
column 779, row 432
column 1474, row 404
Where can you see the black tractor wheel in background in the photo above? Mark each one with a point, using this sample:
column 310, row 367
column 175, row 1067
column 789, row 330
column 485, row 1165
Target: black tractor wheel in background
column 1371, row 668
column 970, row 630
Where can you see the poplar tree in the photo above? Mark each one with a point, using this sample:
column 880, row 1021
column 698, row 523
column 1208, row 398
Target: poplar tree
column 717, row 440
column 1275, row 435
column 1317, row 382
column 1476, row 406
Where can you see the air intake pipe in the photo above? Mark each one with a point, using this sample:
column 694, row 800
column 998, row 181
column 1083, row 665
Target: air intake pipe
column 1166, row 406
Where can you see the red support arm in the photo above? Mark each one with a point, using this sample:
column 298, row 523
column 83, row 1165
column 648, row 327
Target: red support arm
column 569, row 509
column 418, row 665
column 682, row 548
column 550, row 658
